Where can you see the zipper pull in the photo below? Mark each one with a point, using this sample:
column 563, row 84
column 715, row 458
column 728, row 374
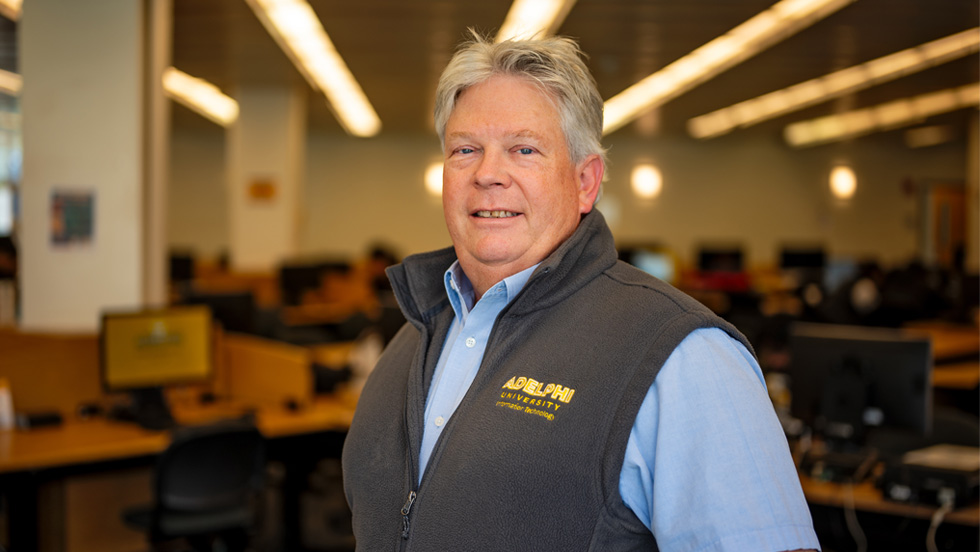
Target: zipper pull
column 405, row 510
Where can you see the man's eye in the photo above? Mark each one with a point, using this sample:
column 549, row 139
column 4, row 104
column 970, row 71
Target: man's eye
column 526, row 151
column 465, row 150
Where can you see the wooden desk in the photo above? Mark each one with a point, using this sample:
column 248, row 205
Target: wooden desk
column 963, row 376
column 949, row 341
column 99, row 440
column 99, row 448
column 955, row 349
column 865, row 497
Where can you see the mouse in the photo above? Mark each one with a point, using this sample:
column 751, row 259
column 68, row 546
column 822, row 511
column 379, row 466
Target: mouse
column 291, row 405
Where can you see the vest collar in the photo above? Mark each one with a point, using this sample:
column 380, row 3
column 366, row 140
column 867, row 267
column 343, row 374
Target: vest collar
column 419, row 288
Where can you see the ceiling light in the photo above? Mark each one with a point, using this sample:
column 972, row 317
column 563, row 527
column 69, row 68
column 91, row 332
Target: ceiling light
column 835, row 85
column 528, row 18
column 646, row 181
column 758, row 33
column 200, row 96
column 295, row 27
column 433, row 178
column 884, row 116
column 929, row 136
column 843, row 182
column 10, row 83
column 10, row 9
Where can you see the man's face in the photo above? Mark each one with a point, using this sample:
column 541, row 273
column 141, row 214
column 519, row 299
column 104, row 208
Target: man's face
column 511, row 193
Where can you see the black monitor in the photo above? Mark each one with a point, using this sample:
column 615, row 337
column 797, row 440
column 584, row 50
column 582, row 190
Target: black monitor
column 181, row 267
column 296, row 278
column 802, row 257
column 142, row 352
column 234, row 310
column 720, row 259
column 848, row 381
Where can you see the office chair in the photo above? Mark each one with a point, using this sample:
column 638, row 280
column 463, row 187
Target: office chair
column 206, row 488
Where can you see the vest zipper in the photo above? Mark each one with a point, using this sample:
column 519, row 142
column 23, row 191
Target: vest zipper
column 405, row 511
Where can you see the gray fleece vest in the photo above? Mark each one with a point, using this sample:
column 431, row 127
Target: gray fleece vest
column 531, row 458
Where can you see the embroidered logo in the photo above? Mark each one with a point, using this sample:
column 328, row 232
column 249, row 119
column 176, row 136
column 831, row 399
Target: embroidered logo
column 530, row 396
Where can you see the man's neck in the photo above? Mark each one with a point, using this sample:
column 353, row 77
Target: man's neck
column 483, row 277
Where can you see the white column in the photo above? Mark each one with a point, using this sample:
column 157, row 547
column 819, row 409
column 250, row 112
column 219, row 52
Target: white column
column 84, row 137
column 159, row 41
column 265, row 171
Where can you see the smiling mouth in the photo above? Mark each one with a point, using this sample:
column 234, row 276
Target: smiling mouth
column 495, row 214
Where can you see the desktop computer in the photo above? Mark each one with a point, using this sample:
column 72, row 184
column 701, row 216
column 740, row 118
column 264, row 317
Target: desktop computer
column 142, row 352
column 940, row 475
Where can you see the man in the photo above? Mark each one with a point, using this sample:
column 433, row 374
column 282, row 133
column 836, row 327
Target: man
column 544, row 395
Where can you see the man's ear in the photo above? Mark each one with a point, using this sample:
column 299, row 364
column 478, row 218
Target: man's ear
column 589, row 174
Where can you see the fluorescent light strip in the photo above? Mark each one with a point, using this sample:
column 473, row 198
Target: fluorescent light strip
column 884, row 116
column 200, row 96
column 11, row 9
column 758, row 33
column 528, row 18
column 295, row 27
column 835, row 84
column 10, row 83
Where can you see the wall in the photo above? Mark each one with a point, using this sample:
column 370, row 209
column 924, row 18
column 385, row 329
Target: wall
column 83, row 133
column 762, row 194
column 754, row 191
column 197, row 219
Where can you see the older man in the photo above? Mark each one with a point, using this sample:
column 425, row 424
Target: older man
column 544, row 395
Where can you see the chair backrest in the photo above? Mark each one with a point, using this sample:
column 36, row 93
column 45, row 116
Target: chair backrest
column 210, row 467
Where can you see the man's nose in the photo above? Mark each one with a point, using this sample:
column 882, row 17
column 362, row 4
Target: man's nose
column 492, row 169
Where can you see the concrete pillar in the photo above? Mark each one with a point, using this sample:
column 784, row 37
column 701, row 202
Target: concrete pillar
column 265, row 171
column 86, row 114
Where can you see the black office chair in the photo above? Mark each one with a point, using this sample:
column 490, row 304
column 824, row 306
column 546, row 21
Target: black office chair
column 207, row 487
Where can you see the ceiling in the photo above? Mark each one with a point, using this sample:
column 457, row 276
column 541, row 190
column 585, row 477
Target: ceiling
column 397, row 48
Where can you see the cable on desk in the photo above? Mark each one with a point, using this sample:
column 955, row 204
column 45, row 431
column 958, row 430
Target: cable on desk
column 850, row 516
column 937, row 520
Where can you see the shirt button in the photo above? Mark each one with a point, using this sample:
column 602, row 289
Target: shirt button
column 439, row 421
column 470, row 342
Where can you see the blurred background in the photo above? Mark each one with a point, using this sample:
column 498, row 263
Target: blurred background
column 782, row 162
column 734, row 149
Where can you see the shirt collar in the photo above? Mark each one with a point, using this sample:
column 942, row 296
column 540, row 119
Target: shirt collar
column 461, row 294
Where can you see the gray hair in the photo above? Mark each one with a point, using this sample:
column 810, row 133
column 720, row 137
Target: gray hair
column 553, row 63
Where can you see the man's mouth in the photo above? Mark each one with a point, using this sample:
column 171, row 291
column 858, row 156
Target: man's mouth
column 495, row 214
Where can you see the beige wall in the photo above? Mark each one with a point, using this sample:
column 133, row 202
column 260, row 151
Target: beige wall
column 83, row 134
column 756, row 192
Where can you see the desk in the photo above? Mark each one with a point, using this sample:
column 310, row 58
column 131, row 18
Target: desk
column 963, row 376
column 865, row 497
column 949, row 341
column 838, row 509
column 27, row 456
column 99, row 440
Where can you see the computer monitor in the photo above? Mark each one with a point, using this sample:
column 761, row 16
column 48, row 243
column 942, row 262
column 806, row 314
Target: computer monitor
column 181, row 267
column 847, row 381
column 234, row 310
column 720, row 268
column 653, row 260
column 802, row 257
column 720, row 259
column 144, row 351
column 296, row 278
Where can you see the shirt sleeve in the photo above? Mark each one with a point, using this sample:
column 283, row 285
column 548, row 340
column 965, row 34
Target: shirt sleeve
column 707, row 465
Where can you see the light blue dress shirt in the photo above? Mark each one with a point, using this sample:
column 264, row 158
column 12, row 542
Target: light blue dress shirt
column 707, row 467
